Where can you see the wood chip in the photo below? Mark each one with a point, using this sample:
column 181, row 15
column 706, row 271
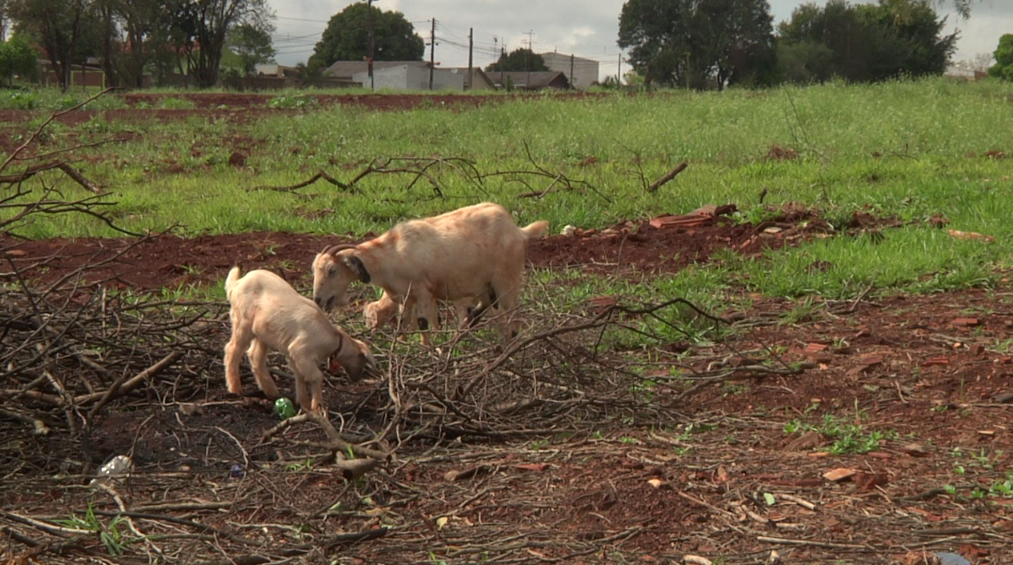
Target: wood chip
column 971, row 235
column 805, row 442
column 914, row 449
column 839, row 474
column 965, row 322
column 940, row 361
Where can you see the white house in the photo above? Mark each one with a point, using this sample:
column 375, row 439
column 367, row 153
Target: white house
column 583, row 71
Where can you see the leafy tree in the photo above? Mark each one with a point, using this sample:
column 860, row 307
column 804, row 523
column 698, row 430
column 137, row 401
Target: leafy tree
column 805, row 61
column 200, row 27
column 1003, row 67
column 518, row 60
column 246, row 47
column 310, row 75
column 864, row 43
column 347, row 37
column 17, row 58
column 59, row 26
column 913, row 30
column 695, row 43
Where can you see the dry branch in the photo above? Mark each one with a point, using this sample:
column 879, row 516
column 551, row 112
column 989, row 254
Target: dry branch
column 667, row 177
column 321, row 174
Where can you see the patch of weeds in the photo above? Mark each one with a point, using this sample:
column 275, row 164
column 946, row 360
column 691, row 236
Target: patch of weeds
column 848, row 437
column 735, row 388
column 802, row 312
column 298, row 101
column 539, row 444
column 66, row 101
column 21, row 100
column 299, row 466
column 173, row 103
column 110, row 536
column 645, row 387
column 96, row 124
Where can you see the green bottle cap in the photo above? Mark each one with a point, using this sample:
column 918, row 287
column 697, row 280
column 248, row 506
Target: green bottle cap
column 284, row 408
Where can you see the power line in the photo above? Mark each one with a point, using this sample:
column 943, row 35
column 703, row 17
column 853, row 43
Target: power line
column 303, row 20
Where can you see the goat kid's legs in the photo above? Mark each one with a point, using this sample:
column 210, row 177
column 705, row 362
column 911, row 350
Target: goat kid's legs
column 242, row 335
column 257, row 354
column 428, row 317
column 307, row 373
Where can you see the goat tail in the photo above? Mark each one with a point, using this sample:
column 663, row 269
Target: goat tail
column 230, row 281
column 535, row 230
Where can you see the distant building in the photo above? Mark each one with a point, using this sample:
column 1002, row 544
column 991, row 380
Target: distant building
column 961, row 72
column 534, row 80
column 397, row 75
column 482, row 79
column 580, row 72
column 274, row 70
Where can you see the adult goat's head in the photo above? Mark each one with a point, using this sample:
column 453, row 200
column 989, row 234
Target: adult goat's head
column 334, row 269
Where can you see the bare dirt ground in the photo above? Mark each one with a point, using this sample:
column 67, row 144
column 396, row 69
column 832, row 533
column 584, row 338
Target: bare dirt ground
column 548, row 452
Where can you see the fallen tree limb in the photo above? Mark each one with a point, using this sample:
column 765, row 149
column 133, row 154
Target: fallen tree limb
column 79, row 178
column 667, row 177
column 336, row 442
column 321, row 174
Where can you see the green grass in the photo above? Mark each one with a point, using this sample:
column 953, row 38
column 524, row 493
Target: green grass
column 906, row 149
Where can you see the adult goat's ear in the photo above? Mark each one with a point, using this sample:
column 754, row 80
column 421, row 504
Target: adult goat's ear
column 355, row 264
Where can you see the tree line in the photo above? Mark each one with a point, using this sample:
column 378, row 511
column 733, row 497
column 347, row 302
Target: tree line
column 695, row 44
column 718, row 43
column 133, row 38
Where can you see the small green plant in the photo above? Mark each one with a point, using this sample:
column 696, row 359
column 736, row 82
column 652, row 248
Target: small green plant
column 298, row 101
column 110, row 536
column 538, row 444
column 21, row 100
column 848, row 437
column 172, row 103
column 299, row 466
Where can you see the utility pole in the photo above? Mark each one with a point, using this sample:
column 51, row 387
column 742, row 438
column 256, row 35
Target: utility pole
column 531, row 48
column 471, row 46
column 369, row 58
column 571, row 70
column 619, row 69
column 502, row 65
column 432, row 53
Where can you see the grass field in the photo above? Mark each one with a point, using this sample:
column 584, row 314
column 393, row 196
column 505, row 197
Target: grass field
column 625, row 424
column 908, row 149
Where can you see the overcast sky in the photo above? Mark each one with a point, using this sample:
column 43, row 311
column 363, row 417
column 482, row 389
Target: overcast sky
column 585, row 28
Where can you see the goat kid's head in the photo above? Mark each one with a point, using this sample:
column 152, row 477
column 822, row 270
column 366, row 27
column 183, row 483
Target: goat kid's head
column 354, row 357
column 334, row 269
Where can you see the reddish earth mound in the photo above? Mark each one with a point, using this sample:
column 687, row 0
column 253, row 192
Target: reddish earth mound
column 169, row 261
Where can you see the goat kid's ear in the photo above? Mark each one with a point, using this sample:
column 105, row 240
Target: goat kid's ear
column 355, row 264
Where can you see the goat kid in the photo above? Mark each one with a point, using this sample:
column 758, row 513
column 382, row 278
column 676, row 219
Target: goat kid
column 453, row 256
column 267, row 313
column 380, row 312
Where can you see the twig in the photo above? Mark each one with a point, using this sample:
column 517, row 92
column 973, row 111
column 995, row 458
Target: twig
column 79, row 178
column 667, row 177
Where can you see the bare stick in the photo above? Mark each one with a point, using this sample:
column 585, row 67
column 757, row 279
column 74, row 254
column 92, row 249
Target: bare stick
column 79, row 178
column 667, row 177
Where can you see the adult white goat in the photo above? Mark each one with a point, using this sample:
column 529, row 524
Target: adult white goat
column 473, row 251
column 267, row 313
